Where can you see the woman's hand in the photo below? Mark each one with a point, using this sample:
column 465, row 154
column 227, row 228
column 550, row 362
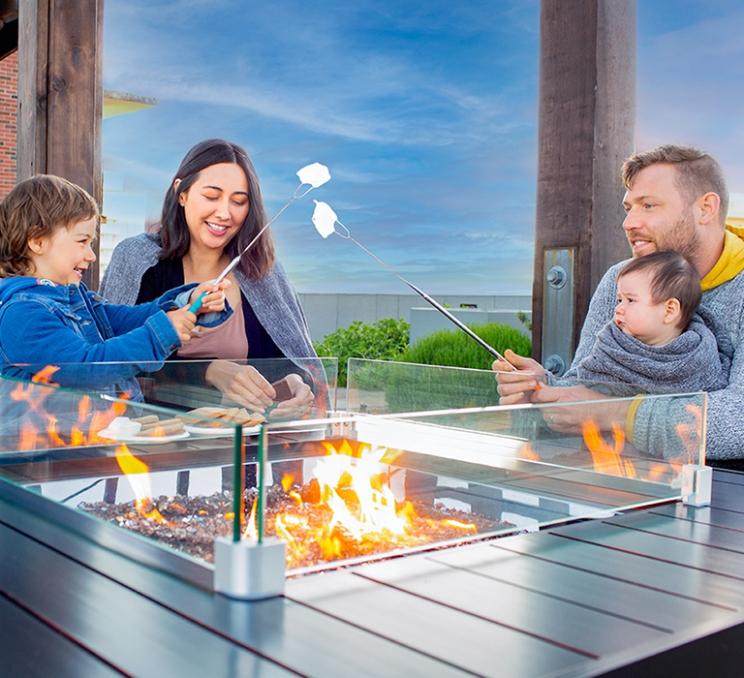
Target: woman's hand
column 517, row 386
column 241, row 383
column 299, row 404
column 214, row 299
column 183, row 322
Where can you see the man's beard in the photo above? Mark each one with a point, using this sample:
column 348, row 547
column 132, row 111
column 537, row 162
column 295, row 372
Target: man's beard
column 682, row 237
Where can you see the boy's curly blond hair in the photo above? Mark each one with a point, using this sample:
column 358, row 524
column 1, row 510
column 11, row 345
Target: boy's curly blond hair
column 35, row 208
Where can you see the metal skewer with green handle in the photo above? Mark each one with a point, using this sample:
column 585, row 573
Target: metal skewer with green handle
column 312, row 176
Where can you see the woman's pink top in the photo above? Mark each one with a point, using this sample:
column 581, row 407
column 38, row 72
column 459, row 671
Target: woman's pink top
column 227, row 341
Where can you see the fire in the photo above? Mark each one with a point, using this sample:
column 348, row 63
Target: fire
column 45, row 374
column 349, row 509
column 251, row 531
column 607, row 458
column 35, row 397
column 138, row 475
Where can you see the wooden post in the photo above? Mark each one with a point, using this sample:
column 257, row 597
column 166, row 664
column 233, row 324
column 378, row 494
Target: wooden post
column 587, row 108
column 60, row 94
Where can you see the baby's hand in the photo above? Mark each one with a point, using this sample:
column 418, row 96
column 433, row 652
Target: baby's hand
column 214, row 299
column 183, row 322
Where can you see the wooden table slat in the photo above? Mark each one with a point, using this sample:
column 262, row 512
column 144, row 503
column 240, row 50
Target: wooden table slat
column 593, row 590
column 560, row 621
column 30, row 648
column 593, row 556
column 463, row 640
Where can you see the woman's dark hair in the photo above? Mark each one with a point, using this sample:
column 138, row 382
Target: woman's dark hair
column 174, row 232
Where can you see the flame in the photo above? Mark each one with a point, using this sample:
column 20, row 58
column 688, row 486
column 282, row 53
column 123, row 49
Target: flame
column 44, row 375
column 83, row 408
column 607, row 458
column 138, row 475
column 251, row 531
column 526, row 452
column 35, row 397
column 29, row 436
column 350, row 508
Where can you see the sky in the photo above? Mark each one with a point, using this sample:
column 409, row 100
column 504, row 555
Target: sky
column 426, row 114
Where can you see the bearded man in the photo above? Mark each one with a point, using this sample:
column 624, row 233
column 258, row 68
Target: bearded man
column 676, row 199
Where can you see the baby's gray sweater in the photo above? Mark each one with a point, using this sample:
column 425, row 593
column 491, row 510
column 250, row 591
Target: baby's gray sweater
column 724, row 310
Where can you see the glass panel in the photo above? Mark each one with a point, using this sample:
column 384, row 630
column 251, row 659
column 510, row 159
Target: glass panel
column 338, row 489
column 301, row 387
column 159, row 473
column 366, row 486
column 382, row 387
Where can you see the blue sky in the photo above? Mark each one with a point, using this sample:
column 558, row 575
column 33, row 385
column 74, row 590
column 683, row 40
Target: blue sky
column 426, row 114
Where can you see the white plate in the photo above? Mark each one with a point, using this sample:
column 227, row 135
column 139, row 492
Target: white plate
column 144, row 440
column 211, row 431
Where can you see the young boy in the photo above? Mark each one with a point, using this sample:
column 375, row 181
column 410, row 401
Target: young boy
column 48, row 316
column 656, row 342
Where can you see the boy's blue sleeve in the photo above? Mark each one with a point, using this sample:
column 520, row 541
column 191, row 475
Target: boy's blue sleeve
column 124, row 318
column 48, row 340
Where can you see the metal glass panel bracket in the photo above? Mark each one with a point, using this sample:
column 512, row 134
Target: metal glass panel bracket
column 697, row 484
column 558, row 309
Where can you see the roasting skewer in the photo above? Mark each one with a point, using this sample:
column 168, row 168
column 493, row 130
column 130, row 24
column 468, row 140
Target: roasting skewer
column 325, row 222
column 313, row 176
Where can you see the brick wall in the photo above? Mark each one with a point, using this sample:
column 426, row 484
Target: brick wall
column 8, row 111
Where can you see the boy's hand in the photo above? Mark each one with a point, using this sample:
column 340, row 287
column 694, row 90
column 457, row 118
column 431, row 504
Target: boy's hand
column 183, row 322
column 214, row 299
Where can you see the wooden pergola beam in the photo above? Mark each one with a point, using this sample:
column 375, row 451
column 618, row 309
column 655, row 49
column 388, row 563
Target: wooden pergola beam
column 60, row 94
column 587, row 113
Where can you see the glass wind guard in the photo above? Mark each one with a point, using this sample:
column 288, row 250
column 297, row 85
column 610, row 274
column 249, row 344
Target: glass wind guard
column 361, row 486
column 161, row 474
column 383, row 387
column 284, row 388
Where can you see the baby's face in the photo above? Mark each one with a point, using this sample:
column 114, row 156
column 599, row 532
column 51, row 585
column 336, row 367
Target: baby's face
column 636, row 313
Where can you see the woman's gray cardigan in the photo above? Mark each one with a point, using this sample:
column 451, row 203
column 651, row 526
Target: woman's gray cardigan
column 272, row 298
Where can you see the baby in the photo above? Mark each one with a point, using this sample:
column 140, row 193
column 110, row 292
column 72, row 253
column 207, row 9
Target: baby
column 656, row 341
column 48, row 316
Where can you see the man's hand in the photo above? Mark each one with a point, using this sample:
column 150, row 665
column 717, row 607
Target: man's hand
column 516, row 386
column 183, row 322
column 243, row 384
column 568, row 419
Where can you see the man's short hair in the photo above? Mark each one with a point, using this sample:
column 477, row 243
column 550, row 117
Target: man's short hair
column 673, row 277
column 36, row 208
column 697, row 172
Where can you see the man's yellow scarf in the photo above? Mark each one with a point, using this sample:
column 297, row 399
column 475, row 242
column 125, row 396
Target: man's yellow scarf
column 731, row 261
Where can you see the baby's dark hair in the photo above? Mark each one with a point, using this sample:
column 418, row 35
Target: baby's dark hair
column 674, row 277
column 35, row 208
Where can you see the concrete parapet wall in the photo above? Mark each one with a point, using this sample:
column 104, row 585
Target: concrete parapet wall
column 327, row 312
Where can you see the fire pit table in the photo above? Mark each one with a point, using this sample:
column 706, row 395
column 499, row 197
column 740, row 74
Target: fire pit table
column 472, row 539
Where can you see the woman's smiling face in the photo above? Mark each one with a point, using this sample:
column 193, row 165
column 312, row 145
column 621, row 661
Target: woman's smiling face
column 216, row 205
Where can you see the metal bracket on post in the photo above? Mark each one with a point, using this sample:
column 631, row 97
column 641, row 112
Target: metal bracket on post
column 697, row 483
column 558, row 310
column 248, row 570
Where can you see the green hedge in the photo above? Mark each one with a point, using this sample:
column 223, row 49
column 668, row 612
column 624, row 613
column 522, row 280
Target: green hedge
column 384, row 340
column 456, row 349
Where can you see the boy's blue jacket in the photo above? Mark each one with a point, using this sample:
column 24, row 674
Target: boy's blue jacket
column 46, row 324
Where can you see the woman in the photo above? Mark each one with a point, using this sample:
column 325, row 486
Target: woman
column 211, row 211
